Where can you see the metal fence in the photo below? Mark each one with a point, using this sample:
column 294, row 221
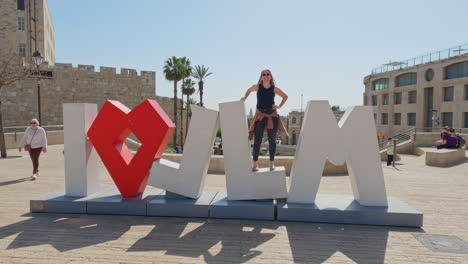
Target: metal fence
column 431, row 57
column 19, row 129
column 399, row 138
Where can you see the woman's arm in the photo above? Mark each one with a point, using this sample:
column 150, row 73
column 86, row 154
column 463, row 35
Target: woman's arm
column 23, row 140
column 254, row 88
column 283, row 95
column 44, row 140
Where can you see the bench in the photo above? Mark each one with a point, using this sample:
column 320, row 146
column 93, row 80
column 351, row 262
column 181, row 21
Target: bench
column 444, row 157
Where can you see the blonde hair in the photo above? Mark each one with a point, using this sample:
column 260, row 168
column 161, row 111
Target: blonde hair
column 272, row 80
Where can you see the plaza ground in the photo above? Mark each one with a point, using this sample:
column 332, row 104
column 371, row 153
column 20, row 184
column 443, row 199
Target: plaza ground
column 440, row 193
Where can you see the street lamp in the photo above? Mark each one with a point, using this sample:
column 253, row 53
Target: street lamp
column 38, row 59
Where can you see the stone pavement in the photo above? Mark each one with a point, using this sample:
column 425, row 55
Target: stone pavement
column 440, row 193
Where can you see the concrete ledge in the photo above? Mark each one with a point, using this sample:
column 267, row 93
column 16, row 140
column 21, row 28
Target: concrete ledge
column 343, row 209
column 57, row 202
column 111, row 202
column 174, row 205
column 221, row 207
column 444, row 157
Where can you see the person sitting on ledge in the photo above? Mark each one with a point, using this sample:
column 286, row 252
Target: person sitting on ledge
column 448, row 141
column 266, row 118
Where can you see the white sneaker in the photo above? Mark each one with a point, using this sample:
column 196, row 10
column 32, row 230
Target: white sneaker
column 33, row 177
column 255, row 167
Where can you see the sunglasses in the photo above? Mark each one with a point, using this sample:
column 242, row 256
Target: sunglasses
column 33, row 123
column 265, row 74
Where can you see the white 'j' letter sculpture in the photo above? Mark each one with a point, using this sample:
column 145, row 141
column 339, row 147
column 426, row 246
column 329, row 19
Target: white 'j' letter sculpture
column 352, row 140
column 188, row 178
column 241, row 182
column 81, row 159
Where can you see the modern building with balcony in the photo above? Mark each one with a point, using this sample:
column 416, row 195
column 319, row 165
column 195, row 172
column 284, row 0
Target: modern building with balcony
column 423, row 92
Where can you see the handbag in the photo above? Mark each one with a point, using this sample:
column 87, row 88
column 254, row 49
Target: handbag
column 27, row 147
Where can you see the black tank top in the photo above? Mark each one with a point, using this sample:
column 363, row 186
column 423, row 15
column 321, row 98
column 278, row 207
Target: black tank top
column 265, row 97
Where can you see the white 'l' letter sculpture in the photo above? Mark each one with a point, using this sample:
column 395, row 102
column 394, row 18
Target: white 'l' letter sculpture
column 241, row 182
column 188, row 179
column 81, row 159
column 352, row 140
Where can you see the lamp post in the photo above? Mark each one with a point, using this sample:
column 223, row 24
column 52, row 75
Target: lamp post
column 38, row 59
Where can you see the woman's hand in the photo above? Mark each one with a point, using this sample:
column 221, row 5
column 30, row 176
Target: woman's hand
column 243, row 99
column 44, row 150
column 275, row 107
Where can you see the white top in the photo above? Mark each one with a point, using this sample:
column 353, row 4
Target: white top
column 38, row 141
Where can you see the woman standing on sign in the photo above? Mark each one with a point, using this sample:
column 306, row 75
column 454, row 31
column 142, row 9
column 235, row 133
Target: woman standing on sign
column 34, row 141
column 266, row 118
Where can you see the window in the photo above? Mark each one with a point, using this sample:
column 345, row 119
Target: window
column 447, row 119
column 448, row 94
column 22, row 50
column 384, row 119
column 365, row 100
column 375, row 118
column 397, row 119
column 429, row 75
column 411, row 97
column 466, row 119
column 466, row 91
column 397, row 98
column 21, row 23
column 374, row 100
column 302, row 117
column 385, row 99
column 20, row 4
column 294, row 120
column 409, row 78
column 411, row 119
column 380, row 84
column 457, row 70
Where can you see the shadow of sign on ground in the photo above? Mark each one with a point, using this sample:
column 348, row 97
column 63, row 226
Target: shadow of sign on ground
column 217, row 240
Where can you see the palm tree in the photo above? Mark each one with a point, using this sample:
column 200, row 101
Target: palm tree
column 186, row 70
column 188, row 88
column 201, row 72
column 173, row 72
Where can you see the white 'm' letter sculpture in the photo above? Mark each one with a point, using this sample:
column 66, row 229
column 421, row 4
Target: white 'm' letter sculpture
column 353, row 140
column 188, row 178
column 81, row 159
column 241, row 182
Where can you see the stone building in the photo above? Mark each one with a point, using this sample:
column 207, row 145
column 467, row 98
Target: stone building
column 26, row 27
column 423, row 93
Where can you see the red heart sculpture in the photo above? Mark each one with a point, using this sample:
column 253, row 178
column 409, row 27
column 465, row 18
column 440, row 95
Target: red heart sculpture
column 114, row 123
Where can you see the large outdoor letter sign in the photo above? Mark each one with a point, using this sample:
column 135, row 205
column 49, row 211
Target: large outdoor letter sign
column 113, row 125
column 352, row 140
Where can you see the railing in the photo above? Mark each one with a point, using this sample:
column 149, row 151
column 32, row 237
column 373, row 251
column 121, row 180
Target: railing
column 431, row 57
column 399, row 138
column 19, row 129
column 440, row 129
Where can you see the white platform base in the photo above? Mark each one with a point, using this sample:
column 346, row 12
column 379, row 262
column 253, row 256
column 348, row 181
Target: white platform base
column 343, row 209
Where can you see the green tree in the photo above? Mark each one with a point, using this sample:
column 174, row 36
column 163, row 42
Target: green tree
column 186, row 69
column 200, row 73
column 188, row 88
column 173, row 72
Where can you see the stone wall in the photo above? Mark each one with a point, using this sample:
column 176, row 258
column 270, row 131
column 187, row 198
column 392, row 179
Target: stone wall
column 79, row 85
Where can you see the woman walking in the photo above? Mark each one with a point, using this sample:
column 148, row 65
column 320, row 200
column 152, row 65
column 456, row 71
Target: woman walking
column 266, row 118
column 34, row 141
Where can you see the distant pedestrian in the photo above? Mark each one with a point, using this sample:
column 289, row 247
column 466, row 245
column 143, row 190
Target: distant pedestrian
column 177, row 148
column 34, row 141
column 390, row 151
column 448, row 141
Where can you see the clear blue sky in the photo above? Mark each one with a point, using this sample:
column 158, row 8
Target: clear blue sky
column 321, row 49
